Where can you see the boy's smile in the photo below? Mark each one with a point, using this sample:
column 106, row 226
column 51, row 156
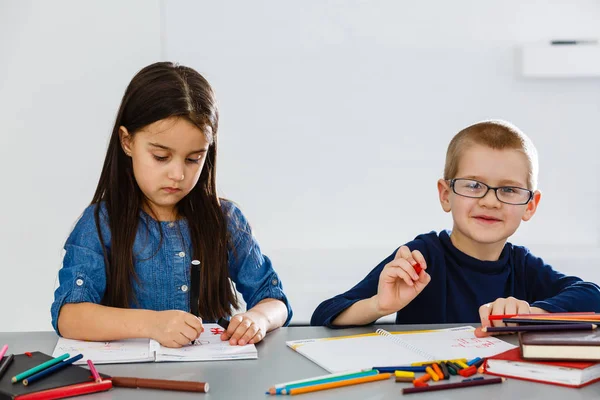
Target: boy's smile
column 482, row 225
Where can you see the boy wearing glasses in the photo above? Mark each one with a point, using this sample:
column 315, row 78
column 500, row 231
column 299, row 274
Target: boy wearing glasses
column 465, row 275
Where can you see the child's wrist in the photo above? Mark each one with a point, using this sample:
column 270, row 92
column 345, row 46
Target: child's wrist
column 148, row 325
column 377, row 310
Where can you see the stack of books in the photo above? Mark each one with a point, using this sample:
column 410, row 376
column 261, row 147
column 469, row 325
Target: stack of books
column 561, row 349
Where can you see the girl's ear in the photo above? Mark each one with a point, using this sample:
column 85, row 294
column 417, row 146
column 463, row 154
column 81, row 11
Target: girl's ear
column 444, row 192
column 125, row 139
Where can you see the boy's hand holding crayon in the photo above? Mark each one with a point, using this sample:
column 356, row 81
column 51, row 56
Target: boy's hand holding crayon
column 401, row 280
column 174, row 328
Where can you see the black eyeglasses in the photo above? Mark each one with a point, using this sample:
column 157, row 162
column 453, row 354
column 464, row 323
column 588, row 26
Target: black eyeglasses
column 477, row 190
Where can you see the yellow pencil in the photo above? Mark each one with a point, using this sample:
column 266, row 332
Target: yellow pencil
column 333, row 385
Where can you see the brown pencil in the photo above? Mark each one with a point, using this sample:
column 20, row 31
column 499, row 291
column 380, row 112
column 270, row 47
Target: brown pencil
column 448, row 386
column 163, row 384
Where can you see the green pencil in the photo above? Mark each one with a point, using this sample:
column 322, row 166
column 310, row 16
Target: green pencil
column 40, row 367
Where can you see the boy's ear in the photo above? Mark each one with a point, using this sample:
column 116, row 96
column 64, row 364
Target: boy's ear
column 444, row 192
column 125, row 139
column 532, row 206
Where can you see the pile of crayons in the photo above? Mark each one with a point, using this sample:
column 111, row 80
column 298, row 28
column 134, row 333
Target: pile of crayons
column 440, row 370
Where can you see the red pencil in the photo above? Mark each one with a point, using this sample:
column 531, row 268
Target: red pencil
column 498, row 317
column 67, row 391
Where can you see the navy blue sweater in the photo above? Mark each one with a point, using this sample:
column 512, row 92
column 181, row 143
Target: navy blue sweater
column 460, row 284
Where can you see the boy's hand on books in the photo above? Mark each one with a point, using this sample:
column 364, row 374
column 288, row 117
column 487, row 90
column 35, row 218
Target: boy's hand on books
column 246, row 328
column 175, row 328
column 399, row 282
column 503, row 306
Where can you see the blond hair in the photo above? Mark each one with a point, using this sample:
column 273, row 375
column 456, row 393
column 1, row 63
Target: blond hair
column 497, row 135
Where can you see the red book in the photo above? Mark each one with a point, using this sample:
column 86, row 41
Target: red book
column 571, row 374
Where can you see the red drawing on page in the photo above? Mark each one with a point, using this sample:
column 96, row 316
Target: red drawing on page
column 217, row 331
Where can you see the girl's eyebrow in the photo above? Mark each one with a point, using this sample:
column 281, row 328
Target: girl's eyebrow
column 160, row 146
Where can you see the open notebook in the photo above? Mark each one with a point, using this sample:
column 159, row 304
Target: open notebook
column 208, row 347
column 382, row 348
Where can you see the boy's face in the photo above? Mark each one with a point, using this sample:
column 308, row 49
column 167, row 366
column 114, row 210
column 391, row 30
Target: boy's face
column 486, row 223
column 167, row 157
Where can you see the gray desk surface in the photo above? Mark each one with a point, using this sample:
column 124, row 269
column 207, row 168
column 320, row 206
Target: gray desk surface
column 248, row 379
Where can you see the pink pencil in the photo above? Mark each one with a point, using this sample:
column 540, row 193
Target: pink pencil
column 95, row 373
column 3, row 351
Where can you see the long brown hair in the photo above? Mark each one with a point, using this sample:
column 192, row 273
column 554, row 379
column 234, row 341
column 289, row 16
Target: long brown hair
column 160, row 91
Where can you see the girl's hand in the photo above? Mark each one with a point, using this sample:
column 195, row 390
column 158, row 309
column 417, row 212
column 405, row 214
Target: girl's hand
column 501, row 306
column 399, row 283
column 246, row 328
column 174, row 328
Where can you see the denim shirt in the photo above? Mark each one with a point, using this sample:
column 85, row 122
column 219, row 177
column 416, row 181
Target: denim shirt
column 164, row 275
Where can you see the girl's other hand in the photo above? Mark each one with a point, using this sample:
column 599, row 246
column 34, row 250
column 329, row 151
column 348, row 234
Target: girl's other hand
column 246, row 328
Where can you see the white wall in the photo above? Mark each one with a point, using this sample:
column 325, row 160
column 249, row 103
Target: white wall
column 64, row 66
column 335, row 117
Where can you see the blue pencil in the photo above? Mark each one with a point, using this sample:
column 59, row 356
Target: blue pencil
column 52, row 369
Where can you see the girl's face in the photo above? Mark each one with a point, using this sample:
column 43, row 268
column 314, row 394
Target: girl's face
column 482, row 225
column 167, row 157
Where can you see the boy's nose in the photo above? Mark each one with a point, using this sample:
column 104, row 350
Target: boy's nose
column 490, row 199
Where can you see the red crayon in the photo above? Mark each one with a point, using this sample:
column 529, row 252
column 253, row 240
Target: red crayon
column 417, row 268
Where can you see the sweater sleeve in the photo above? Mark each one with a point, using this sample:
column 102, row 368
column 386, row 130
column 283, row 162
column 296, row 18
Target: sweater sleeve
column 557, row 292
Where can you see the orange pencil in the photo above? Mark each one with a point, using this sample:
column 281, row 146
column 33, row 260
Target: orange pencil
column 333, row 385
column 499, row 317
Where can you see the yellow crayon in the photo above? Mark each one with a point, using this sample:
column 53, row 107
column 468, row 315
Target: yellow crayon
column 404, row 374
column 432, row 373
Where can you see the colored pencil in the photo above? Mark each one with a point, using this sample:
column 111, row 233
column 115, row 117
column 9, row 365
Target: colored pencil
column 532, row 321
column 94, row 371
column 5, row 364
column 286, row 389
column 314, row 378
column 40, row 367
column 457, row 385
column 56, row 367
column 3, row 351
column 162, row 384
column 333, row 385
column 497, row 317
column 531, row 328
column 67, row 391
